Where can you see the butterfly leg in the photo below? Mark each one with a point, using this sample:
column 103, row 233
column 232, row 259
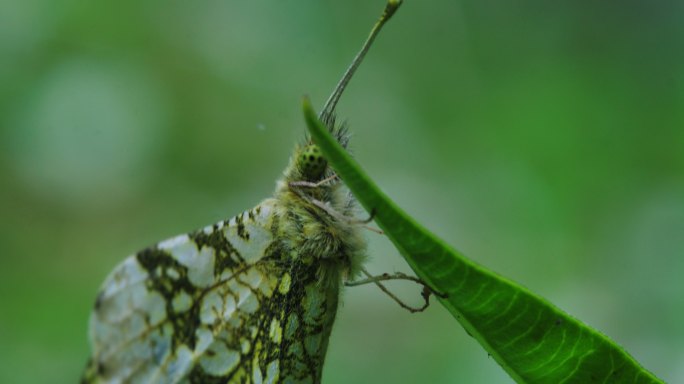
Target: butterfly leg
column 308, row 184
column 426, row 292
column 295, row 185
column 369, row 219
column 364, row 223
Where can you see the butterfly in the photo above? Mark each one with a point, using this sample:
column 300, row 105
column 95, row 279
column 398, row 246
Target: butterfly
column 247, row 300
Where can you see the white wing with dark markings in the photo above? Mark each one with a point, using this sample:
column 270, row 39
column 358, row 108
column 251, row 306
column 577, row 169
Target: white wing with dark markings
column 181, row 311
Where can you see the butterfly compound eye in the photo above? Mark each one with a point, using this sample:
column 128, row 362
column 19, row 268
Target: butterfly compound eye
column 312, row 163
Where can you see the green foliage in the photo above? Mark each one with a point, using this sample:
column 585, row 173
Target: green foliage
column 534, row 341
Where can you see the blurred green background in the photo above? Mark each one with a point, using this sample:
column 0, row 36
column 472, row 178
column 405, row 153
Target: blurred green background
column 543, row 139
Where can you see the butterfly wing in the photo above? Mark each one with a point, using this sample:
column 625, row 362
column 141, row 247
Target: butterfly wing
column 185, row 309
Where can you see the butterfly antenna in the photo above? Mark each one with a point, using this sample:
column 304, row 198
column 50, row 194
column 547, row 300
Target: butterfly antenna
column 329, row 108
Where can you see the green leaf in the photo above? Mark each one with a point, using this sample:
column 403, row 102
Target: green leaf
column 532, row 340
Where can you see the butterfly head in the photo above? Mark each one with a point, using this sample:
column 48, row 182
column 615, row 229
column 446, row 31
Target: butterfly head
column 311, row 162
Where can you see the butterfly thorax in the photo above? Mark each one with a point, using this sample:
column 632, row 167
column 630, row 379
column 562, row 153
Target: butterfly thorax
column 318, row 217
